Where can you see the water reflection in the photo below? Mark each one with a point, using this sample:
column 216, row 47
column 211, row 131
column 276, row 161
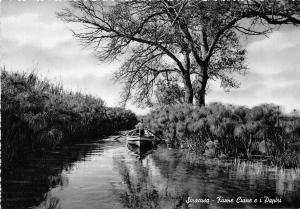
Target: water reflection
column 286, row 182
column 116, row 176
column 50, row 202
column 141, row 153
column 166, row 178
column 27, row 182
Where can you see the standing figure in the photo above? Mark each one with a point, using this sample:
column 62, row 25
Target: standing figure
column 140, row 126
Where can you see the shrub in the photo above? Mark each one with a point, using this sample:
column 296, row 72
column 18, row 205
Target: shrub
column 36, row 113
column 239, row 130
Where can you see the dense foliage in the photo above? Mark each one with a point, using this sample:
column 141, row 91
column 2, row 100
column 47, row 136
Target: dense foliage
column 38, row 114
column 240, row 131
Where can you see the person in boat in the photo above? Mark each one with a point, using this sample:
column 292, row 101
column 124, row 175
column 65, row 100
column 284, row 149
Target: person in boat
column 141, row 127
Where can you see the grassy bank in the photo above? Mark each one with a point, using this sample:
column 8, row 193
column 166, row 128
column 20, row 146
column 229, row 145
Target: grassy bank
column 235, row 131
column 38, row 114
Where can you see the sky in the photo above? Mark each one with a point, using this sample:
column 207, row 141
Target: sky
column 33, row 39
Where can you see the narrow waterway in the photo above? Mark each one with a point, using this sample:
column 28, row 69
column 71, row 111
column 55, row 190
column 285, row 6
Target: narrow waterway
column 107, row 175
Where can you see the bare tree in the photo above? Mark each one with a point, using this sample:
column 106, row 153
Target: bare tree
column 192, row 40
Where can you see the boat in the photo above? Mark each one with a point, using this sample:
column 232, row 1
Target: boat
column 141, row 153
column 142, row 141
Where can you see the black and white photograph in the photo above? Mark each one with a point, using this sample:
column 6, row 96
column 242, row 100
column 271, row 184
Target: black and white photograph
column 150, row 104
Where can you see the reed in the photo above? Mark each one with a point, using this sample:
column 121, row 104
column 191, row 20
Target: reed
column 37, row 114
column 240, row 131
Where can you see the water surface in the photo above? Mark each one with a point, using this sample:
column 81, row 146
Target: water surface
column 107, row 175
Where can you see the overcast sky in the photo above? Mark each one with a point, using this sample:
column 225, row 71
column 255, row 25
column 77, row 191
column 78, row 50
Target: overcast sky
column 33, row 38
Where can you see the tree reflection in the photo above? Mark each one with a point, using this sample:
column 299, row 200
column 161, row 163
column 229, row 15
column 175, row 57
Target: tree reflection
column 140, row 188
column 137, row 191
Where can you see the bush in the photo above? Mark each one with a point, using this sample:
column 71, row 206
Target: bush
column 240, row 131
column 288, row 159
column 36, row 113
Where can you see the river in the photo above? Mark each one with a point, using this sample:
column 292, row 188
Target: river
column 106, row 174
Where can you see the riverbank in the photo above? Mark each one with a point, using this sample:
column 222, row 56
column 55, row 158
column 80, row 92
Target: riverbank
column 219, row 130
column 37, row 114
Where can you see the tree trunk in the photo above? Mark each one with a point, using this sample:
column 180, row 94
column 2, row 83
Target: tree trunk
column 201, row 95
column 201, row 90
column 188, row 89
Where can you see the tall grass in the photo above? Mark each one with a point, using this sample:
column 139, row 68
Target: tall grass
column 240, row 131
column 39, row 114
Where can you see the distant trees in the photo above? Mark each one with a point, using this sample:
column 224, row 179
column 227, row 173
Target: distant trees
column 192, row 41
column 37, row 113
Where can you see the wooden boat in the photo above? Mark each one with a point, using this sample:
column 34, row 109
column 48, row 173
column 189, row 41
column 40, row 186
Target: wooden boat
column 142, row 141
column 140, row 152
